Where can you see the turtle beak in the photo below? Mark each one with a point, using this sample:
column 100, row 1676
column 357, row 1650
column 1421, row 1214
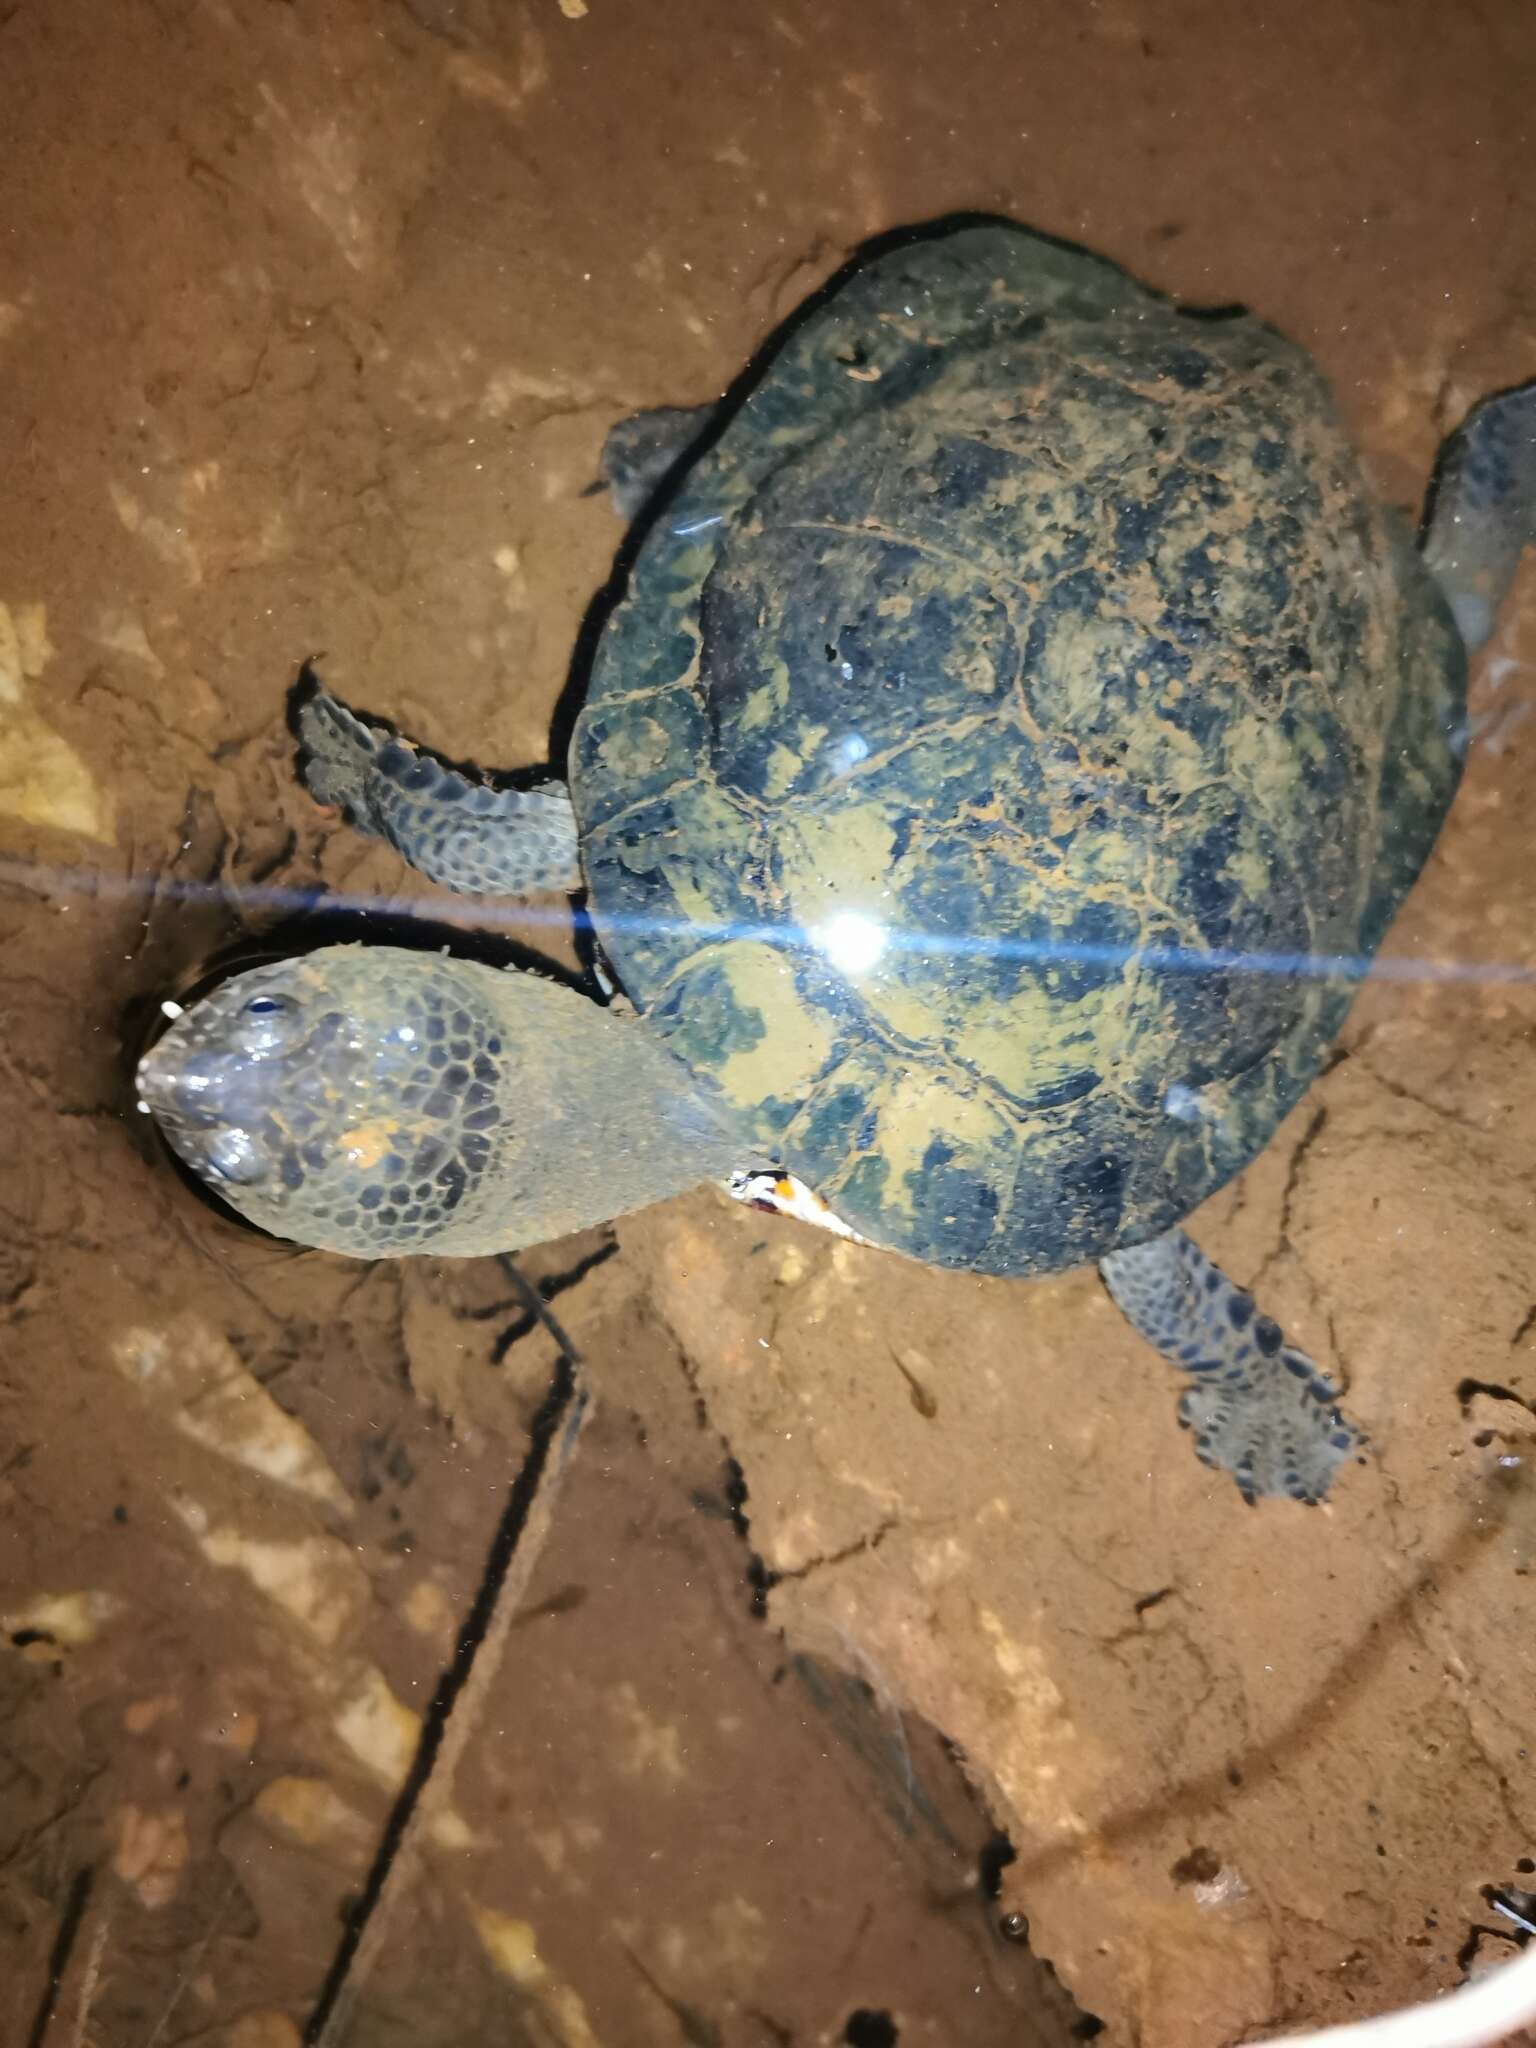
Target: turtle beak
column 179, row 1086
column 183, row 1093
column 155, row 1081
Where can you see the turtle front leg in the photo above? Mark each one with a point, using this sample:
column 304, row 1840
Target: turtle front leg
column 1482, row 509
column 1258, row 1408
column 640, row 452
column 458, row 829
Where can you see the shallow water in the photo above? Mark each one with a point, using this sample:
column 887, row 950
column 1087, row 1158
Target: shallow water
column 313, row 324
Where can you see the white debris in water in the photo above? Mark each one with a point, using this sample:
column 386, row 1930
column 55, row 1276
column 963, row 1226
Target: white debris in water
column 1185, row 1103
column 786, row 1196
column 1224, row 1889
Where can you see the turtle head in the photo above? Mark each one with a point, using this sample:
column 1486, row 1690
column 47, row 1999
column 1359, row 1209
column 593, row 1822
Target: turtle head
column 346, row 1099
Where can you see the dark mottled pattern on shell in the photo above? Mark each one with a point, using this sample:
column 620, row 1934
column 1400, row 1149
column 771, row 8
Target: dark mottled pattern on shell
column 1056, row 633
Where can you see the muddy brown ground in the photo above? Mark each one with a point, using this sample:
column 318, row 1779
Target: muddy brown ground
column 312, row 319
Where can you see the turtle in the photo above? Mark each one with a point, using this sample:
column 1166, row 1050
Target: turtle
column 1010, row 730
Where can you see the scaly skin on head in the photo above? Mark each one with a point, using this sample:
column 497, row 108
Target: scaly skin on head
column 379, row 1102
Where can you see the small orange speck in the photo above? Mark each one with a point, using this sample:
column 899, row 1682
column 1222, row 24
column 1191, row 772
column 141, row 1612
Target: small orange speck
column 366, row 1145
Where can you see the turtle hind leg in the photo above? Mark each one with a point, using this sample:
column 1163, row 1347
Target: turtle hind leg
column 1481, row 512
column 465, row 833
column 641, row 451
column 1258, row 1408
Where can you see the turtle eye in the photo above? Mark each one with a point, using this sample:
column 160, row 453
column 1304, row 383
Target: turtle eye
column 266, row 1021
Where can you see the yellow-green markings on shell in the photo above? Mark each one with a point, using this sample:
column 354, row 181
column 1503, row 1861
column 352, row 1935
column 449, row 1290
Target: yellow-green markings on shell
column 699, row 867
column 1169, row 758
column 838, row 860
column 1034, row 1043
column 794, row 1039
column 1113, row 862
column 909, row 1007
column 943, row 1149
column 637, row 748
column 1268, row 760
column 1248, row 871
column 769, row 701
column 785, row 764
column 696, row 904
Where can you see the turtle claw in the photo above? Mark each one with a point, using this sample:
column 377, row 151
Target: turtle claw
column 1257, row 1408
column 1277, row 1442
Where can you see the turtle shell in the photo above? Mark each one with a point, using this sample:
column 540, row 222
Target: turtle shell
column 1017, row 732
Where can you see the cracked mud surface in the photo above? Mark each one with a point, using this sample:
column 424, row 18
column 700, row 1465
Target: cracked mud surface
column 312, row 324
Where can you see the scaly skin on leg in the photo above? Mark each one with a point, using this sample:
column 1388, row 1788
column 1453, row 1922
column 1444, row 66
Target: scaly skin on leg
column 640, row 450
column 1258, row 1408
column 455, row 828
column 1482, row 509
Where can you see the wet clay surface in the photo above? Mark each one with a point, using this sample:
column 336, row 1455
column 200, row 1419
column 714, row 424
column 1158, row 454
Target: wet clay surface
column 312, row 322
